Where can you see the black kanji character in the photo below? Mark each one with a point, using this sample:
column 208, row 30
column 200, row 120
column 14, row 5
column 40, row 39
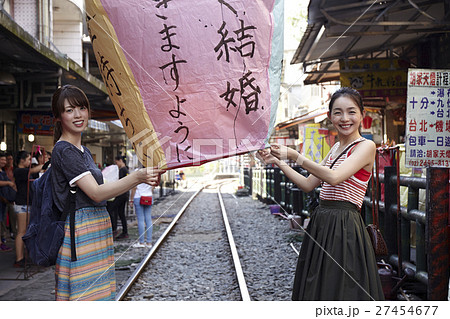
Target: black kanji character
column 241, row 35
column 252, row 99
column 251, row 102
column 176, row 113
column 174, row 70
column 182, row 127
column 245, row 81
column 178, row 153
column 162, row 3
column 229, row 95
column 169, row 46
column 109, row 79
column 223, row 43
column 228, row 6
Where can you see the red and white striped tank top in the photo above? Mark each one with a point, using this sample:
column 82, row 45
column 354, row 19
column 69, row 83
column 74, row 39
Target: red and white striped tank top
column 351, row 190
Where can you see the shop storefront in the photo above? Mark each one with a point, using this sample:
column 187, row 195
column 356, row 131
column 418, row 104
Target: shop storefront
column 370, row 48
column 29, row 74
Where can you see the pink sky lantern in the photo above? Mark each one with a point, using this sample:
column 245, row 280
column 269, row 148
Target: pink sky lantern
column 191, row 81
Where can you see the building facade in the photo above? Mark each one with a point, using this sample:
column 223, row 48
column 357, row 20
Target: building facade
column 44, row 45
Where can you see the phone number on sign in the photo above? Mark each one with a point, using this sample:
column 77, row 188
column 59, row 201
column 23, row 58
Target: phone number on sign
column 427, row 162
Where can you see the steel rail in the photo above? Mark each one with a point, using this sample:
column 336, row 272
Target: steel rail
column 295, row 249
column 237, row 264
column 137, row 272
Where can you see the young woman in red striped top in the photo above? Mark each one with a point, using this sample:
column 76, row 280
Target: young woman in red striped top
column 336, row 261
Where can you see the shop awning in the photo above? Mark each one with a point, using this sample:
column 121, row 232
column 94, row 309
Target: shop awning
column 26, row 58
column 316, row 114
column 348, row 29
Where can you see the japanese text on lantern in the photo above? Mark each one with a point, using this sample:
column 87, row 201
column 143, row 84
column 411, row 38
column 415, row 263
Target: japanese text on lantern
column 239, row 41
column 428, row 118
column 109, row 77
column 168, row 36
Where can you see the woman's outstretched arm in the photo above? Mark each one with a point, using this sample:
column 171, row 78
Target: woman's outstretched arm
column 306, row 184
column 362, row 156
column 106, row 191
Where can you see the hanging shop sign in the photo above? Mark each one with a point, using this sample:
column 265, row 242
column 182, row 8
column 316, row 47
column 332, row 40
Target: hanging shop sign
column 191, row 81
column 375, row 77
column 428, row 118
column 316, row 142
column 37, row 123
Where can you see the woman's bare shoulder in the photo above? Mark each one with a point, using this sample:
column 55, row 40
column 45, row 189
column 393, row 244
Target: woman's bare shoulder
column 369, row 143
column 365, row 146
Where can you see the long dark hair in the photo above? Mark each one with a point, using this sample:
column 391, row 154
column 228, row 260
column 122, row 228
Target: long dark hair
column 350, row 93
column 75, row 96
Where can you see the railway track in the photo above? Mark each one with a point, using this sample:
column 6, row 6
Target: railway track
column 192, row 252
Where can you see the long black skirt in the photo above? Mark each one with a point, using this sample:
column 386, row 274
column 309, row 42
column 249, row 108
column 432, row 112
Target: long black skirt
column 336, row 260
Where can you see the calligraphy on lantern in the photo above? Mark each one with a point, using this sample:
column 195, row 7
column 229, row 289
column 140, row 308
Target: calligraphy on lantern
column 108, row 75
column 170, row 70
column 241, row 43
column 237, row 41
column 428, row 118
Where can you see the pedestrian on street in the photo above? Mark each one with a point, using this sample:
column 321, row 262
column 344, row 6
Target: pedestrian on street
column 91, row 276
column 120, row 202
column 9, row 170
column 5, row 182
column 142, row 199
column 177, row 178
column 23, row 201
column 183, row 179
column 337, row 260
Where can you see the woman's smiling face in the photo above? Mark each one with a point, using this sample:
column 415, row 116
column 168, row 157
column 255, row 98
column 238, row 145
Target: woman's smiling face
column 346, row 115
column 74, row 119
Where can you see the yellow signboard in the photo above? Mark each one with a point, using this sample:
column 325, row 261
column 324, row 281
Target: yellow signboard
column 315, row 145
column 375, row 77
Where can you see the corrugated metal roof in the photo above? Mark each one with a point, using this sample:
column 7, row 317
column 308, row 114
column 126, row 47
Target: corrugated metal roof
column 346, row 29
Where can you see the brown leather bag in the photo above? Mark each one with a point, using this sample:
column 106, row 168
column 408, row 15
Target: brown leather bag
column 378, row 243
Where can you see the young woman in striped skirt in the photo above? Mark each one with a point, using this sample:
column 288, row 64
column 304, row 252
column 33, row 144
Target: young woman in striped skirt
column 336, row 261
column 91, row 276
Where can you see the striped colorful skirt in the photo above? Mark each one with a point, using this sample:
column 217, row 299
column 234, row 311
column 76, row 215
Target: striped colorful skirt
column 336, row 260
column 92, row 276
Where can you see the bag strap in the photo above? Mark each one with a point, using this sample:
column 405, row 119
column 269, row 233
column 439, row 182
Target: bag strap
column 69, row 209
column 375, row 188
column 373, row 194
column 72, row 195
column 345, row 151
column 399, row 221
